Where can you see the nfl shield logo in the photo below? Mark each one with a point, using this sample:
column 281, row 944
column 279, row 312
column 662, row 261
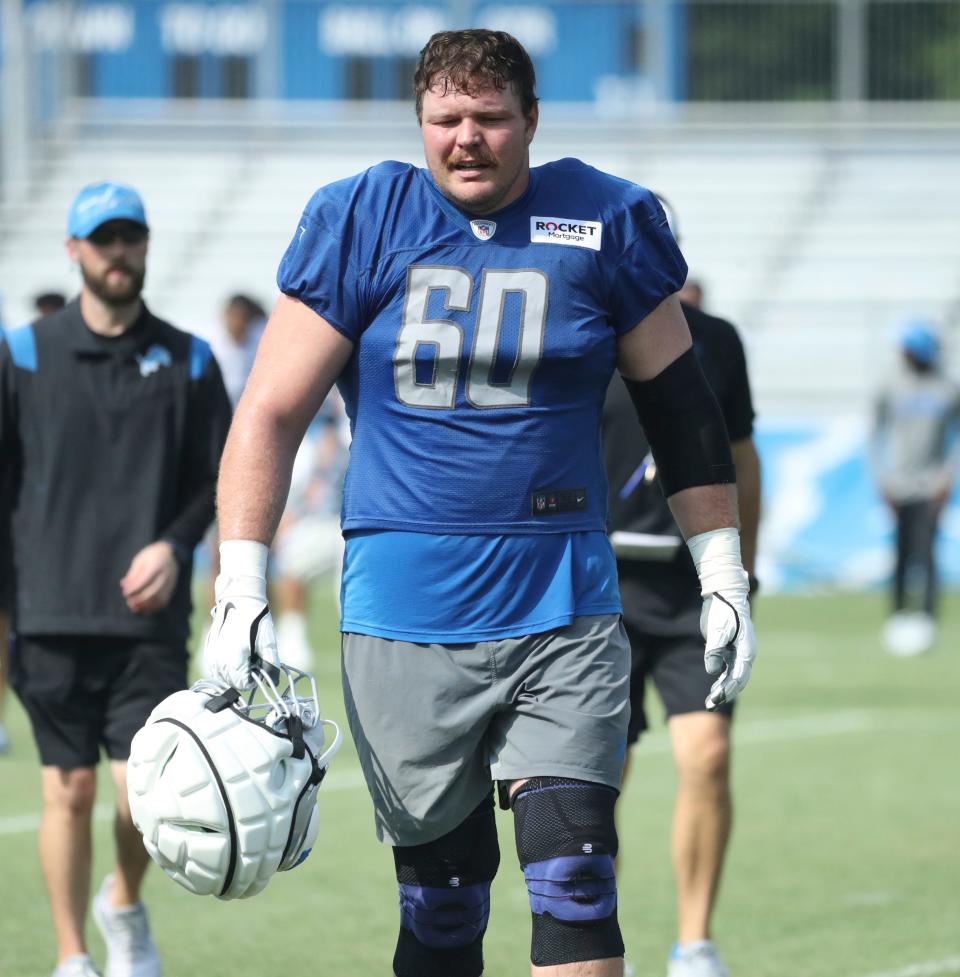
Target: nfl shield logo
column 483, row 229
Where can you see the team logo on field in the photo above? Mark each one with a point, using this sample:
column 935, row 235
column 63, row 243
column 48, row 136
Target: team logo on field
column 483, row 229
column 566, row 230
column 155, row 357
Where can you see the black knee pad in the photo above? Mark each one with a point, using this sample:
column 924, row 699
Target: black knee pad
column 567, row 843
column 445, row 899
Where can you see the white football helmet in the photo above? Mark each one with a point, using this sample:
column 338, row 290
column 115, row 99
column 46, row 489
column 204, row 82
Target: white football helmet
column 223, row 789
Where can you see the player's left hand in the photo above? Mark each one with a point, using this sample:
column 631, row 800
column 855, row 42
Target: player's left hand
column 725, row 619
column 148, row 584
column 731, row 645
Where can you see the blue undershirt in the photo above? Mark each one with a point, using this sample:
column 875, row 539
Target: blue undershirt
column 452, row 589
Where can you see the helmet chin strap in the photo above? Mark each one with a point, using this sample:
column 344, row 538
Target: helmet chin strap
column 296, row 716
column 294, row 726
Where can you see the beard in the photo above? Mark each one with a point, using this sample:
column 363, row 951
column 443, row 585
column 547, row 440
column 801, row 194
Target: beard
column 112, row 292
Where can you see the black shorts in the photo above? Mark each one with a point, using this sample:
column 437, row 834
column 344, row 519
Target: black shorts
column 676, row 666
column 84, row 692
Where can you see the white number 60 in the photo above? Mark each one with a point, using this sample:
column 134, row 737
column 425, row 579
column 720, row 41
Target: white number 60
column 446, row 337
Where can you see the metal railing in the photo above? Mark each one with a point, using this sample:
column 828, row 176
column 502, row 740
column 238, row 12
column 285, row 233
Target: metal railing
column 653, row 59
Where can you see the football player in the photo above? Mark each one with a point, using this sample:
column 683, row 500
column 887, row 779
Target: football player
column 472, row 314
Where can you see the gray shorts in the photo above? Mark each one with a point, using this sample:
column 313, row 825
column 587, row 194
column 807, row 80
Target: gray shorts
column 434, row 724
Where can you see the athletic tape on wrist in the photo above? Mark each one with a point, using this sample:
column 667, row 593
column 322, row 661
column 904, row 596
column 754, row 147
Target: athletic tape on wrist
column 243, row 558
column 716, row 555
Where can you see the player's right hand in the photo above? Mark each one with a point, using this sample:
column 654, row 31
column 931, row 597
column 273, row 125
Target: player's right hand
column 241, row 639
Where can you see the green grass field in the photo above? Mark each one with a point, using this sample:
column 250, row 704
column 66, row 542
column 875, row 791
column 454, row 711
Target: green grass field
column 845, row 860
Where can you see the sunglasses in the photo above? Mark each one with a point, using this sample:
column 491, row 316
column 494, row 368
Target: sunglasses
column 128, row 233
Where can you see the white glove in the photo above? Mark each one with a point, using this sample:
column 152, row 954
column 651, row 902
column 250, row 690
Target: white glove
column 725, row 623
column 241, row 638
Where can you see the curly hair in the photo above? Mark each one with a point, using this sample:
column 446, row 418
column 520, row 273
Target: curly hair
column 464, row 61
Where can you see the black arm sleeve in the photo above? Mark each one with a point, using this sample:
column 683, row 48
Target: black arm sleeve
column 207, row 423
column 684, row 425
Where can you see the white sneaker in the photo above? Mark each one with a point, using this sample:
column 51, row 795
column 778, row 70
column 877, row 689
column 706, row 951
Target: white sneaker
column 909, row 633
column 697, row 959
column 79, row 965
column 292, row 641
column 4, row 740
column 131, row 951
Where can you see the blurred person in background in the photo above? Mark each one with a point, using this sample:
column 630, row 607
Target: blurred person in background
column 661, row 600
column 235, row 341
column 113, row 422
column 472, row 313
column 691, row 295
column 915, row 452
column 46, row 303
column 308, row 545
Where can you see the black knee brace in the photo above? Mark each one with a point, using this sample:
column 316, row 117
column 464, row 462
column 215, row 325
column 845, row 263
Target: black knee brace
column 445, row 899
column 567, row 841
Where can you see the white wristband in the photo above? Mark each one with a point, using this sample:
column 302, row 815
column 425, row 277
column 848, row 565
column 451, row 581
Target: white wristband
column 716, row 555
column 243, row 558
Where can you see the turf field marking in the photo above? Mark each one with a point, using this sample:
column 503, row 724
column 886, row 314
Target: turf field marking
column 930, row 969
column 812, row 725
column 22, row 823
column 350, row 778
column 745, row 732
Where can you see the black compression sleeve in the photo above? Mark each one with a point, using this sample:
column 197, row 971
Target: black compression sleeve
column 684, row 426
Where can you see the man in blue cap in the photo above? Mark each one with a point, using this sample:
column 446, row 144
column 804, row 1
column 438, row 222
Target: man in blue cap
column 915, row 457
column 113, row 422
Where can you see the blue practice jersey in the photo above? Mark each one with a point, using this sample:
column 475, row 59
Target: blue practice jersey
column 483, row 346
column 432, row 588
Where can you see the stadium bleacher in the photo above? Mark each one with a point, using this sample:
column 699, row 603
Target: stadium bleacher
column 816, row 247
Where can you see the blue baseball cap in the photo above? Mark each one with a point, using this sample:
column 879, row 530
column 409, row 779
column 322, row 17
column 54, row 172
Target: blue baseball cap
column 101, row 202
column 919, row 338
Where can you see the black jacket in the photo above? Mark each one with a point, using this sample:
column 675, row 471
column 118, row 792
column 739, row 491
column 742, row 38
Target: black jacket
column 109, row 444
